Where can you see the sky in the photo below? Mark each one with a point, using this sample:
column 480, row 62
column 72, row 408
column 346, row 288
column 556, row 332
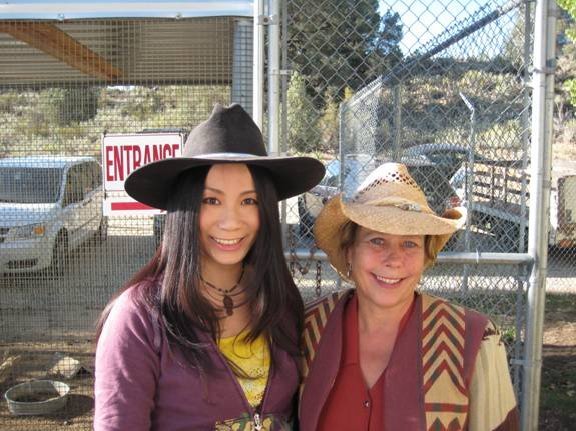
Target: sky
column 425, row 19
column 422, row 19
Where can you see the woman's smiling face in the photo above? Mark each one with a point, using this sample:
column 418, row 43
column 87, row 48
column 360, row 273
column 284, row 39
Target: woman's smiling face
column 229, row 219
column 386, row 268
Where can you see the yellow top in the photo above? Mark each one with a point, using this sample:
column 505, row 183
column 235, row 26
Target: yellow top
column 254, row 361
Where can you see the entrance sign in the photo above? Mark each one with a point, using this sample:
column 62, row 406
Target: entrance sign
column 122, row 154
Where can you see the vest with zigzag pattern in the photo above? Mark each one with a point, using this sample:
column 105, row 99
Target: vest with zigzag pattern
column 427, row 381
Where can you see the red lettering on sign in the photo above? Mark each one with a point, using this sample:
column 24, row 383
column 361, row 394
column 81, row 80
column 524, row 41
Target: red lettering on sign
column 122, row 159
column 156, row 153
column 166, row 151
column 137, row 157
column 108, row 165
column 125, row 206
column 118, row 164
column 128, row 161
column 147, row 155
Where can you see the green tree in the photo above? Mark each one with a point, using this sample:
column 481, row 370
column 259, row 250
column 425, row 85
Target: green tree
column 567, row 62
column 328, row 125
column 303, row 133
column 79, row 104
column 329, row 122
column 64, row 106
column 339, row 43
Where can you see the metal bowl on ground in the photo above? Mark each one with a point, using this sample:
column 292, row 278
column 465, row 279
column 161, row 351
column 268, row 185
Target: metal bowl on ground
column 37, row 397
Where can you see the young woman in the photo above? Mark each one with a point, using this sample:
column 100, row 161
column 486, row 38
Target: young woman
column 205, row 336
column 383, row 356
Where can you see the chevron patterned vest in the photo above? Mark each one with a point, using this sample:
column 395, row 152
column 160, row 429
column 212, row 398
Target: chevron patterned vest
column 446, row 340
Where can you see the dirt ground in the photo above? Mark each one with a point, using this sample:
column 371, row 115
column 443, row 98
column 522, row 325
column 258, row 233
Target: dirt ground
column 558, row 389
column 34, row 360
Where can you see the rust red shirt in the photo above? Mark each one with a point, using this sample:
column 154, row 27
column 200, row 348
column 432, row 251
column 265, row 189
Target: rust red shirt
column 351, row 405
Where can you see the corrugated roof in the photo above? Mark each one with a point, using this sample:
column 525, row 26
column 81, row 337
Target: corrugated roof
column 73, row 9
column 118, row 51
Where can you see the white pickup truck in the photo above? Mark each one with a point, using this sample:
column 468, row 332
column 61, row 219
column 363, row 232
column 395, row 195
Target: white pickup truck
column 49, row 205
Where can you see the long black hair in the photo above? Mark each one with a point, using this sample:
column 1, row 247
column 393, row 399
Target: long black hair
column 170, row 281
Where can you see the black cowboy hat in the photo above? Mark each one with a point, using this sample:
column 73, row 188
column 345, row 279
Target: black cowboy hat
column 228, row 136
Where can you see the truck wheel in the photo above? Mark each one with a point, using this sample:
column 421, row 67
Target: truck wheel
column 59, row 255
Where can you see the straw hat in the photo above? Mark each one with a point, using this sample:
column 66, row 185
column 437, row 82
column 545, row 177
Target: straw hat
column 229, row 135
column 388, row 201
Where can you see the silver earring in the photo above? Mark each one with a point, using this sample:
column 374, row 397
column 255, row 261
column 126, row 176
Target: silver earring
column 348, row 269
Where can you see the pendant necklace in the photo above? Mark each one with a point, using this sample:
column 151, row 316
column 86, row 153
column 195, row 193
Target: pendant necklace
column 227, row 300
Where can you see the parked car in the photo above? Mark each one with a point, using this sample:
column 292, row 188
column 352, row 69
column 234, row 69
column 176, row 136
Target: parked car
column 435, row 185
column 49, row 206
column 447, row 158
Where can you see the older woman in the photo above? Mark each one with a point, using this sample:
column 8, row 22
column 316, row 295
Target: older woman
column 383, row 355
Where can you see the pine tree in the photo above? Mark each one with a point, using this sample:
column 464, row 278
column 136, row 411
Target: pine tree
column 340, row 43
column 303, row 133
column 568, row 51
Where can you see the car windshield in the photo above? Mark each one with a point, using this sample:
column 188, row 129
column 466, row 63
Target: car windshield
column 30, row 185
column 332, row 175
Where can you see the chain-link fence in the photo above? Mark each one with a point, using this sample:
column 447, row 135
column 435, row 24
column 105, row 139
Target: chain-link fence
column 442, row 106
column 452, row 104
column 63, row 84
column 441, row 87
column 445, row 89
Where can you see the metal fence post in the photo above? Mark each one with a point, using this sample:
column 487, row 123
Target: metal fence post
column 242, row 76
column 397, row 121
column 469, row 201
column 258, row 63
column 542, row 106
column 273, row 75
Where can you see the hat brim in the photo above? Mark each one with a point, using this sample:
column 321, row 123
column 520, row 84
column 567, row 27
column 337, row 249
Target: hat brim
column 390, row 220
column 154, row 183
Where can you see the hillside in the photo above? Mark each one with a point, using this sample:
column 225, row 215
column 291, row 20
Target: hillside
column 53, row 120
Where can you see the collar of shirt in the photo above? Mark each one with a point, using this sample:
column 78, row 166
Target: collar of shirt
column 351, row 353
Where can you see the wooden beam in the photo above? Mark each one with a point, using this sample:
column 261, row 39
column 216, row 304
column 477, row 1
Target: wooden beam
column 58, row 44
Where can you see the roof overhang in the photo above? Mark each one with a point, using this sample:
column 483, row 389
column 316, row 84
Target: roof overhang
column 64, row 10
column 126, row 43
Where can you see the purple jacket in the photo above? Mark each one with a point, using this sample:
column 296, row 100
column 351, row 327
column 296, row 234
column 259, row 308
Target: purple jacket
column 141, row 384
